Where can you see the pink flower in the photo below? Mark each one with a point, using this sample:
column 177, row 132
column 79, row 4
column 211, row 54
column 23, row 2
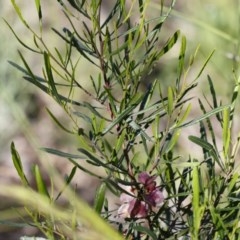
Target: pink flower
column 140, row 201
column 151, row 194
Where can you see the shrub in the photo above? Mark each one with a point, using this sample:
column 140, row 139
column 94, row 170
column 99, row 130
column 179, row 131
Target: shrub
column 128, row 124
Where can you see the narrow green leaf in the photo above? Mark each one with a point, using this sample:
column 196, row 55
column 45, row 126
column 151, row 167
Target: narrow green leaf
column 217, row 219
column 57, row 122
column 41, row 186
column 83, row 168
column 120, row 140
column 169, row 44
column 123, row 115
column 91, row 156
column 226, row 132
column 207, row 115
column 233, row 182
column 156, row 128
column 202, row 143
column 195, row 202
column 138, row 128
column 170, row 100
column 181, row 59
column 18, row 164
column 83, row 116
column 20, row 41
column 185, row 115
column 184, row 186
column 205, row 64
column 31, row 75
column 60, row 57
column 78, row 6
column 19, row 13
column 209, row 147
column 71, row 175
column 62, row 154
column 173, row 141
column 235, row 149
column 234, row 100
column 145, row 230
column 209, row 125
column 68, row 181
column 39, row 10
column 214, row 96
column 94, row 111
column 51, row 82
column 157, row 106
column 99, row 198
column 114, row 10
column 146, row 99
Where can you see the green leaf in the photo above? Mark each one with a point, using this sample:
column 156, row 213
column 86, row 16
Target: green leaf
column 91, row 156
column 51, row 82
column 83, row 168
column 214, row 96
column 71, row 175
column 209, row 125
column 120, row 140
column 207, row 115
column 209, row 147
column 195, row 202
column 233, row 182
column 37, row 82
column 146, row 230
column 146, row 99
column 205, row 64
column 62, row 154
column 94, row 111
column 234, row 100
column 78, row 6
column 68, row 181
column 123, row 114
column 170, row 100
column 99, row 198
column 157, row 107
column 138, row 128
column 20, row 41
column 41, row 186
column 226, row 132
column 57, row 122
column 181, row 59
column 169, row 44
column 184, row 116
column 19, row 13
column 173, row 141
column 38, row 6
column 18, row 164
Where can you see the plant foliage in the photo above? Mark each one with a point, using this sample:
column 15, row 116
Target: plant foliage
column 128, row 123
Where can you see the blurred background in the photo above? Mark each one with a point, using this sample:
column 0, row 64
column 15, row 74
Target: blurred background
column 209, row 25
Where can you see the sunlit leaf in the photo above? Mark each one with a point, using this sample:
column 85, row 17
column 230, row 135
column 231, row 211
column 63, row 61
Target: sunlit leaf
column 39, row 10
column 207, row 115
column 99, row 198
column 18, row 164
column 19, row 13
column 41, row 185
